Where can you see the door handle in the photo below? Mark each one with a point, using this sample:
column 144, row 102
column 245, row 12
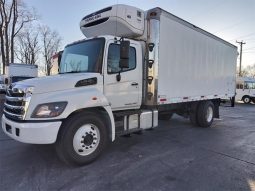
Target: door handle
column 134, row 84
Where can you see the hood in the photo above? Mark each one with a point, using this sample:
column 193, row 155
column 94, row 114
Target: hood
column 57, row 82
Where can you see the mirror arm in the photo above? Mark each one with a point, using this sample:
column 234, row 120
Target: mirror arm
column 118, row 76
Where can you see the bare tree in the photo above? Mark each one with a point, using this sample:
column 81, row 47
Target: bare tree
column 244, row 73
column 14, row 16
column 51, row 42
column 250, row 70
column 28, row 49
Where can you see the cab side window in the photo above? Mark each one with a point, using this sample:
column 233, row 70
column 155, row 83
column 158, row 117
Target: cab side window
column 114, row 59
column 246, row 85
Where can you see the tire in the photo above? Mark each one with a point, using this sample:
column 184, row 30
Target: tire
column 246, row 99
column 233, row 100
column 253, row 100
column 205, row 114
column 81, row 139
column 165, row 116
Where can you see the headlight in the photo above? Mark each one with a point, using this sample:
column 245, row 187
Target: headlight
column 48, row 110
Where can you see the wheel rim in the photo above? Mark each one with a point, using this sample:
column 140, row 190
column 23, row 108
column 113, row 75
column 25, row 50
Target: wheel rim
column 209, row 114
column 246, row 100
column 86, row 139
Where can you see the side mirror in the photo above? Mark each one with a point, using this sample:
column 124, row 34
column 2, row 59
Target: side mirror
column 124, row 54
column 124, row 63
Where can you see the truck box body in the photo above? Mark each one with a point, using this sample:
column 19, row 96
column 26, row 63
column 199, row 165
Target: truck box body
column 26, row 70
column 192, row 64
column 17, row 72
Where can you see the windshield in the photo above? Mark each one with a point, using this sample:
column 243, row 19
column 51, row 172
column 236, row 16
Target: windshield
column 84, row 56
column 19, row 78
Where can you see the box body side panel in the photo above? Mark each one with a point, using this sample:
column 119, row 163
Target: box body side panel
column 192, row 65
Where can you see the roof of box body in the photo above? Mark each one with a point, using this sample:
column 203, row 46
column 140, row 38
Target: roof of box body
column 183, row 22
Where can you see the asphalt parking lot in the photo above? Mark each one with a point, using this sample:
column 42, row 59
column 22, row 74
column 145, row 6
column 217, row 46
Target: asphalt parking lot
column 174, row 156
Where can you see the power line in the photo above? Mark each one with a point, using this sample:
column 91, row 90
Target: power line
column 241, row 51
column 250, row 34
column 230, row 26
column 249, row 48
column 249, row 52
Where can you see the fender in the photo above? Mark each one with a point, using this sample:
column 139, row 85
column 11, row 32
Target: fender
column 77, row 99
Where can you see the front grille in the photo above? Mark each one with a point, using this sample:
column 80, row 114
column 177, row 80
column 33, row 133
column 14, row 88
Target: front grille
column 14, row 106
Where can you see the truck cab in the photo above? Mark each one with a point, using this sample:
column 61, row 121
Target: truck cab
column 93, row 81
column 101, row 56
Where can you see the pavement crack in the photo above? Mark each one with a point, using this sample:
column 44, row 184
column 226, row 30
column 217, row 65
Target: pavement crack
column 229, row 156
column 6, row 140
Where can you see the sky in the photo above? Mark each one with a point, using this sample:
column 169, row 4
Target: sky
column 229, row 19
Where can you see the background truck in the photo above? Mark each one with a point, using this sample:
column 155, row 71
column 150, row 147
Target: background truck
column 133, row 68
column 245, row 89
column 18, row 72
column 2, row 84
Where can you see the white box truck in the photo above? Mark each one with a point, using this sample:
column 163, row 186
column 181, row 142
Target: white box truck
column 245, row 89
column 133, row 68
column 17, row 72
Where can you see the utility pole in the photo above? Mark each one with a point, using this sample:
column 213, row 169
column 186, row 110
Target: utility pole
column 241, row 52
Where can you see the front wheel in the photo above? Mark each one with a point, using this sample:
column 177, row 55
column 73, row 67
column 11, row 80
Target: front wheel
column 81, row 139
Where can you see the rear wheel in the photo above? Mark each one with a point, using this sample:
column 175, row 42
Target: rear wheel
column 253, row 100
column 205, row 114
column 81, row 139
column 246, row 99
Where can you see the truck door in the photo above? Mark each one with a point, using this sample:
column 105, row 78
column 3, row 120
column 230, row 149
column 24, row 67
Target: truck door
column 126, row 93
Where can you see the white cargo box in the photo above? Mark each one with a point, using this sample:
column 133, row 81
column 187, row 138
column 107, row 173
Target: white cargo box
column 190, row 63
column 117, row 20
column 26, row 70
